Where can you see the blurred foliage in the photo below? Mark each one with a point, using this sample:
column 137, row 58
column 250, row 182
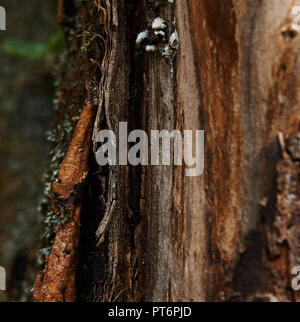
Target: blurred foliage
column 31, row 50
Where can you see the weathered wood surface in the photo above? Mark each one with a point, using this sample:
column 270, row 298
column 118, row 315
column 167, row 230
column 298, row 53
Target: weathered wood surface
column 220, row 236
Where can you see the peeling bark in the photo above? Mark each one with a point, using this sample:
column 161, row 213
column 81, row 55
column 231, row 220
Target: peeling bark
column 231, row 234
column 57, row 282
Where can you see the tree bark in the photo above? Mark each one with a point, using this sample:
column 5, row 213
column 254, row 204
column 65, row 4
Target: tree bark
column 231, row 234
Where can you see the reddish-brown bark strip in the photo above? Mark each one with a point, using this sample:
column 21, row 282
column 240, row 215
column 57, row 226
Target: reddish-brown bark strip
column 237, row 80
column 74, row 168
column 57, row 282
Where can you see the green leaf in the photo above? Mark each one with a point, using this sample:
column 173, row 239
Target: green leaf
column 20, row 48
column 37, row 50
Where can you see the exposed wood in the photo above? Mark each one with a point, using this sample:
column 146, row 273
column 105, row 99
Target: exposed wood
column 230, row 234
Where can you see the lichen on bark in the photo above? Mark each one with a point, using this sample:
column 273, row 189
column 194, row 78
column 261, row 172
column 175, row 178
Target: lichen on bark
column 230, row 234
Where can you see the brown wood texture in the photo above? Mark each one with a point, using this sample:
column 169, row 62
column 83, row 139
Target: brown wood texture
column 225, row 235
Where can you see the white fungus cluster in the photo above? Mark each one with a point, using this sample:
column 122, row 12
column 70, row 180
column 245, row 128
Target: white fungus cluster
column 159, row 24
column 151, row 48
column 154, row 39
column 174, row 40
column 142, row 36
column 170, row 49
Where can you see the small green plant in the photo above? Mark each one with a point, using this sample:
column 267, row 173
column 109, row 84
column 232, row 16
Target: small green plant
column 31, row 50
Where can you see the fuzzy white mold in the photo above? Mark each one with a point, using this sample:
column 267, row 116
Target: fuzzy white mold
column 160, row 33
column 159, row 24
column 174, row 40
column 142, row 36
column 151, row 48
column 167, row 52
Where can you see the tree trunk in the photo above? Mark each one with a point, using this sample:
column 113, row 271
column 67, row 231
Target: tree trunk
column 153, row 233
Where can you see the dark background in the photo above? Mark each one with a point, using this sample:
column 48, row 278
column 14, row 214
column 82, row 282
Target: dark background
column 26, row 114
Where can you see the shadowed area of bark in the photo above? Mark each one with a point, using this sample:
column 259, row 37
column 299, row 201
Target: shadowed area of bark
column 229, row 234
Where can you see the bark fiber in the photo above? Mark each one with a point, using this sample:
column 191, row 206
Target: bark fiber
column 233, row 233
